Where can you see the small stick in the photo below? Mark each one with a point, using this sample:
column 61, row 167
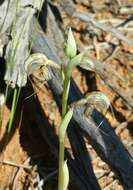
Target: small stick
column 20, row 169
column 10, row 163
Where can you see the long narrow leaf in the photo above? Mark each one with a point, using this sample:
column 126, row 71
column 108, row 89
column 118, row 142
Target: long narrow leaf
column 64, row 124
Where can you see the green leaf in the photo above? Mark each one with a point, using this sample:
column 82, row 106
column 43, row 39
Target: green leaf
column 65, row 176
column 77, row 60
column 73, row 63
column 64, row 124
column 70, row 47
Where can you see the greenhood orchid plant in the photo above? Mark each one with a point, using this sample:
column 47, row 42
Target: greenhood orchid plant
column 97, row 99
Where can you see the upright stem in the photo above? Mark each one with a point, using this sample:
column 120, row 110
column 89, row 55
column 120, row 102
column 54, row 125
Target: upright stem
column 66, row 87
column 61, row 161
column 65, row 95
column 12, row 110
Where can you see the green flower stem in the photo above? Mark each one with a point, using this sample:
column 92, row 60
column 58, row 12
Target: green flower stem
column 70, row 51
column 65, row 121
column 17, row 98
column 12, row 110
column 65, row 95
column 62, row 132
column 61, row 161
